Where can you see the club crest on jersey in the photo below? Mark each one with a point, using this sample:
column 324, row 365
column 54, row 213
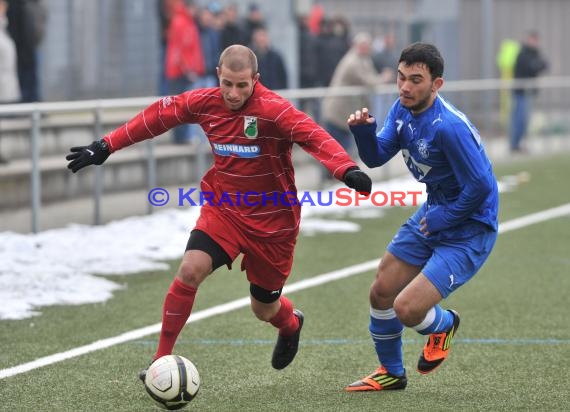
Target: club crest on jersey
column 423, row 148
column 166, row 101
column 250, row 127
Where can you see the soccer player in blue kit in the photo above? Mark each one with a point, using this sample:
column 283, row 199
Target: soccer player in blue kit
column 445, row 242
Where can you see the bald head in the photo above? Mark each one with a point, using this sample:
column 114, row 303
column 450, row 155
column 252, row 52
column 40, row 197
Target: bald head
column 362, row 43
column 238, row 58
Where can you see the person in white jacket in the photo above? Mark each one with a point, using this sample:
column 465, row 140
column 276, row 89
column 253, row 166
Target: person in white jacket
column 9, row 87
column 356, row 68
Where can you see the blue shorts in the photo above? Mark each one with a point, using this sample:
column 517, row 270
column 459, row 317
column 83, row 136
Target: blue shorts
column 449, row 258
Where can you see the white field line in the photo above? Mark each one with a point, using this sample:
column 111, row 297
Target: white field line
column 240, row 303
column 534, row 218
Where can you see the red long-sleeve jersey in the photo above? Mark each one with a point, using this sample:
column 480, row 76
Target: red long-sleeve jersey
column 252, row 177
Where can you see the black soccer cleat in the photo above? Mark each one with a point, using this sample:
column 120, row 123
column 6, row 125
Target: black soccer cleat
column 437, row 347
column 142, row 375
column 286, row 347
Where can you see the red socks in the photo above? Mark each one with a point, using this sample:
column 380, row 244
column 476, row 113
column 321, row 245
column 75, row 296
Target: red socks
column 178, row 306
column 175, row 312
column 284, row 320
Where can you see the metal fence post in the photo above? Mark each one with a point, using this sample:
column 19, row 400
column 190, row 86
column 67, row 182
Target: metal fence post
column 36, row 178
column 488, row 59
column 98, row 184
column 150, row 171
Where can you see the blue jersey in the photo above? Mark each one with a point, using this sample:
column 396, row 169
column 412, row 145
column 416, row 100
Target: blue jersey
column 442, row 149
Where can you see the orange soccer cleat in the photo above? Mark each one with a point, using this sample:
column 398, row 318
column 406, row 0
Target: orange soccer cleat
column 437, row 347
column 379, row 380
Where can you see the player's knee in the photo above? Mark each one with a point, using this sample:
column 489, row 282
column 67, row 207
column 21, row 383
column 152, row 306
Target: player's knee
column 264, row 295
column 191, row 273
column 406, row 312
column 380, row 288
column 263, row 302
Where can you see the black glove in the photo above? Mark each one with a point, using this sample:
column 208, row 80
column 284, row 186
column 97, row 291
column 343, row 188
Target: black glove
column 94, row 154
column 358, row 180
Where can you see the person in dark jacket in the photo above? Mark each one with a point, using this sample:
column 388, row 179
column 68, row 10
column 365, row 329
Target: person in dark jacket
column 529, row 64
column 232, row 32
column 308, row 67
column 271, row 65
column 253, row 20
column 26, row 25
column 333, row 43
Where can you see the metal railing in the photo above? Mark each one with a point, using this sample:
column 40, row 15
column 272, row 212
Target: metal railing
column 35, row 111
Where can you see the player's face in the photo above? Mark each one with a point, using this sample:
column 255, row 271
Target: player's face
column 236, row 86
column 417, row 89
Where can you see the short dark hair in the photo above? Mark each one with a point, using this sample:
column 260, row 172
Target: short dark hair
column 237, row 58
column 424, row 53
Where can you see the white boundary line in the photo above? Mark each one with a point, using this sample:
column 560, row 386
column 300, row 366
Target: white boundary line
column 240, row 303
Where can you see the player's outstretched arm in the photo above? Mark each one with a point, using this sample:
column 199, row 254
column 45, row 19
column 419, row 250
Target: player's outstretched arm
column 360, row 117
column 358, row 180
column 94, row 154
column 375, row 149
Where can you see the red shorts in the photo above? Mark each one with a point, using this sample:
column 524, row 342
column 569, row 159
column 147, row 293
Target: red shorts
column 267, row 264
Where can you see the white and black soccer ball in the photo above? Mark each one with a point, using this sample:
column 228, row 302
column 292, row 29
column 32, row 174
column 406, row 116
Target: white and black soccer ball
column 172, row 381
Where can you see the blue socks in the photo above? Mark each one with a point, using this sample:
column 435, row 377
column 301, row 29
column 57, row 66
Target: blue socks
column 437, row 320
column 386, row 331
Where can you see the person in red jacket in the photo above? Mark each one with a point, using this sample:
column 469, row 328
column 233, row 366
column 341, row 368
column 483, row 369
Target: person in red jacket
column 251, row 131
column 184, row 59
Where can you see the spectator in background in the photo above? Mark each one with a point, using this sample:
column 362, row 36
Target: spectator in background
column 9, row 87
column 209, row 24
column 385, row 58
column 355, row 69
column 529, row 64
column 253, row 20
column 232, row 32
column 270, row 63
column 165, row 12
column 315, row 18
column 332, row 44
column 506, row 59
column 308, row 66
column 26, row 24
column 184, row 59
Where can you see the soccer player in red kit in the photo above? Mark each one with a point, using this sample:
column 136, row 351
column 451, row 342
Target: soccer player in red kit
column 251, row 131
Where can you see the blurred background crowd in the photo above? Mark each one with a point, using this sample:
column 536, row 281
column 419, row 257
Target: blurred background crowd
column 63, row 50
column 75, row 49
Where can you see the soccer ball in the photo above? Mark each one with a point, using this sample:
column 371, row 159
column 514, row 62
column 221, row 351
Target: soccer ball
column 172, row 381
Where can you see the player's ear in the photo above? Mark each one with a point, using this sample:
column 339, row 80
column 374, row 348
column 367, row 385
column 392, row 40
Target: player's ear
column 218, row 71
column 437, row 83
column 256, row 78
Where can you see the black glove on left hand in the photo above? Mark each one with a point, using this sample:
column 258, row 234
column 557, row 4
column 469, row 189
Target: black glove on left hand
column 358, row 180
column 94, row 154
